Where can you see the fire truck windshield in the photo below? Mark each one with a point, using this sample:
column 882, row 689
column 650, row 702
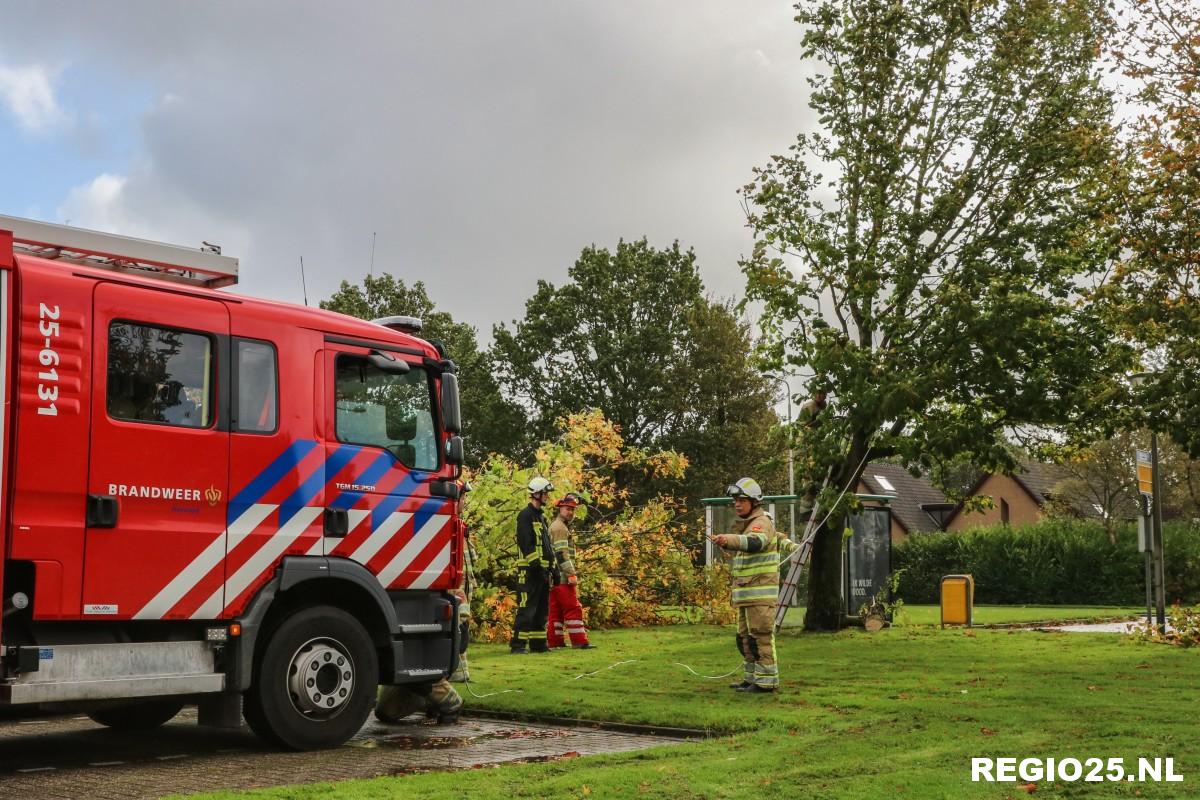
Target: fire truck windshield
column 388, row 410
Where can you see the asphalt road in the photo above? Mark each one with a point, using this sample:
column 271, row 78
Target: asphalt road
column 73, row 758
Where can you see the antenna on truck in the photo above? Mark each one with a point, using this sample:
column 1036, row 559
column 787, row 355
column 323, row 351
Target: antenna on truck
column 303, row 283
column 196, row 266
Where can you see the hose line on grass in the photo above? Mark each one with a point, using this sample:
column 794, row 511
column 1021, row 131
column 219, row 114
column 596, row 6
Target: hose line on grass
column 706, row 677
column 610, row 666
column 489, row 694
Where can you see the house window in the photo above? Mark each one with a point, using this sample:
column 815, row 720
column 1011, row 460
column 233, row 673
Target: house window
column 1003, row 510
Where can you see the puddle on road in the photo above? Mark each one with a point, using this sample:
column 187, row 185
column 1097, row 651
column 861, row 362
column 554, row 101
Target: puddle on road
column 527, row 733
column 405, row 741
column 402, row 742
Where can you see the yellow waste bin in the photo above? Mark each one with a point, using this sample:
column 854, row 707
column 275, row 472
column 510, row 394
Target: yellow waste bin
column 958, row 600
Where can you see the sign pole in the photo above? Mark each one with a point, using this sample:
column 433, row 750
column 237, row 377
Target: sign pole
column 1159, row 566
column 1146, row 529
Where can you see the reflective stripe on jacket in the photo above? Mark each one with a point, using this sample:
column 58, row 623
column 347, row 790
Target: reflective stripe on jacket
column 564, row 547
column 758, row 550
column 533, row 541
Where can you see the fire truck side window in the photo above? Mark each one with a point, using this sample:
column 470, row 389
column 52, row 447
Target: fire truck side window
column 159, row 375
column 386, row 410
column 257, row 382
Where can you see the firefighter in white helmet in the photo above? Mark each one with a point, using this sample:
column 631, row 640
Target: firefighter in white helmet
column 757, row 550
column 536, row 561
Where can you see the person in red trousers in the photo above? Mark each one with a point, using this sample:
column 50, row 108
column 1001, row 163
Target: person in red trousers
column 566, row 614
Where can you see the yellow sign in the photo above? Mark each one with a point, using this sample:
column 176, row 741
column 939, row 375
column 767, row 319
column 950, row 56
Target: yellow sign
column 1145, row 473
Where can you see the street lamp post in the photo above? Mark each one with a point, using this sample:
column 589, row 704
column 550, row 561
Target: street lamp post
column 791, row 466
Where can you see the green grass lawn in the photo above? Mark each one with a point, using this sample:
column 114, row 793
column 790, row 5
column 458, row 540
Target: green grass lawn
column 895, row 714
column 983, row 615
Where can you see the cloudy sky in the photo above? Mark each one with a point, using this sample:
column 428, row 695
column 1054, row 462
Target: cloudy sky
column 485, row 143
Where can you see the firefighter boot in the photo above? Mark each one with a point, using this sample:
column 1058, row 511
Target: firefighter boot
column 444, row 703
column 754, row 688
column 397, row 702
column 747, row 665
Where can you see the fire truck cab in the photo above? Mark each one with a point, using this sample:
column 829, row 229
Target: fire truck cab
column 205, row 498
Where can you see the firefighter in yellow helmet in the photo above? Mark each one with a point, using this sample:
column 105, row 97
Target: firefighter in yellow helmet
column 757, row 550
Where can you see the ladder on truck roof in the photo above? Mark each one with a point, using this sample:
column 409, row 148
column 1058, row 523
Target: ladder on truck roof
column 198, row 267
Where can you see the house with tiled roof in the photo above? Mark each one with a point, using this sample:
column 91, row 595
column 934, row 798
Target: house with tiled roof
column 1017, row 499
column 917, row 505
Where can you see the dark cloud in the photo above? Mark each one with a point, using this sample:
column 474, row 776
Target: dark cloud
column 486, row 143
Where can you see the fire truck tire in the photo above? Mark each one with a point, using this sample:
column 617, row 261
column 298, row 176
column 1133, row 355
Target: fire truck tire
column 138, row 716
column 314, row 680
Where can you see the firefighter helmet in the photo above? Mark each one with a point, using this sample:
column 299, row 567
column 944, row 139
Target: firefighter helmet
column 746, row 487
column 570, row 499
column 540, row 486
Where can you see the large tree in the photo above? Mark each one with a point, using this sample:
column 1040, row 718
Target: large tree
column 1158, row 294
column 632, row 334
column 926, row 252
column 491, row 424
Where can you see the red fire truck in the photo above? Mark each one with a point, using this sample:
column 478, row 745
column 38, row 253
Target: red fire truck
column 213, row 499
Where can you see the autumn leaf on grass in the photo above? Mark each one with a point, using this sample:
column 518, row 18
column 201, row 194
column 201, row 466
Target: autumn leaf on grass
column 1028, row 788
column 987, row 731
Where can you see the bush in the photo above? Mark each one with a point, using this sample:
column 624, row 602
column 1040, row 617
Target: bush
column 633, row 558
column 1183, row 628
column 1053, row 562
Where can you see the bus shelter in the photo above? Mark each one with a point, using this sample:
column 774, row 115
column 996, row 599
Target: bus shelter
column 866, row 554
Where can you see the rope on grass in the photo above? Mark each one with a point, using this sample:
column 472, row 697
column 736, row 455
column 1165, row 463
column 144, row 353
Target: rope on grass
column 602, row 669
column 706, row 677
column 489, row 694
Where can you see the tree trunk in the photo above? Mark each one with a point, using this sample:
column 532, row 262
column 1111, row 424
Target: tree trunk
column 824, row 612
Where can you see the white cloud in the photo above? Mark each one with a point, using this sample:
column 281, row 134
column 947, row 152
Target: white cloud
column 28, row 94
column 96, row 205
column 486, row 143
column 126, row 205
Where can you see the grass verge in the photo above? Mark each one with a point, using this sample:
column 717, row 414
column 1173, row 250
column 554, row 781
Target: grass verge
column 894, row 714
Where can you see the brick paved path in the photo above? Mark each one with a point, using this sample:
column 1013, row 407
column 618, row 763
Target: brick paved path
column 74, row 758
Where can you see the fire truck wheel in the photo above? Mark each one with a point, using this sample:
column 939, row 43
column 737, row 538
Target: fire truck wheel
column 314, row 680
column 138, row 716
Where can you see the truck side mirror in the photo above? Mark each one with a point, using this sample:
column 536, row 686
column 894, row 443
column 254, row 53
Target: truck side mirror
column 451, row 415
column 386, row 362
column 454, row 450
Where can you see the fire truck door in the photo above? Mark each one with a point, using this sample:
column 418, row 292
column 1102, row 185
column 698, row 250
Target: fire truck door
column 384, row 447
column 159, row 463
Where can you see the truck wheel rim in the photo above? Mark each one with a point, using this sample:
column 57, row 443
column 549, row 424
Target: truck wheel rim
column 320, row 678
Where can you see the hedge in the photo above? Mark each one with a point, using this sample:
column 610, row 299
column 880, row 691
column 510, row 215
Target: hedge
column 1053, row 562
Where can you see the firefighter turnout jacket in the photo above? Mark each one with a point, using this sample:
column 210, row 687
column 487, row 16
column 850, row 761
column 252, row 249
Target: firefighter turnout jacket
column 564, row 548
column 533, row 541
column 758, row 550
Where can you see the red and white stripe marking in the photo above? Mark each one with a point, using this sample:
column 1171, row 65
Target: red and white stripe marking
column 251, row 547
